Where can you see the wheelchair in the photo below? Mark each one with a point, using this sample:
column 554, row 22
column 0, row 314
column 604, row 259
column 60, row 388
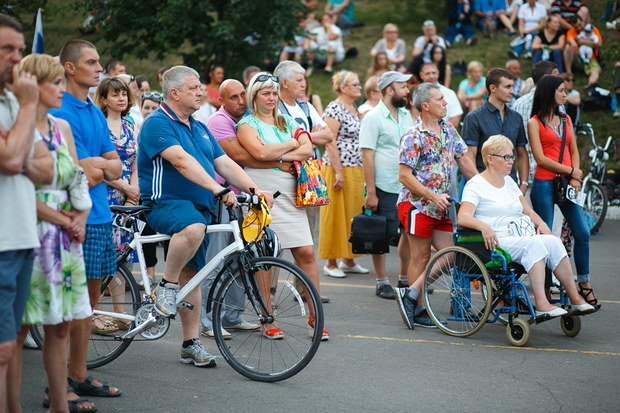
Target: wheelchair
column 472, row 286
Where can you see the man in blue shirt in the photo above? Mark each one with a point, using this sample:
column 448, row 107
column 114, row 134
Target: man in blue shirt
column 496, row 118
column 177, row 161
column 98, row 156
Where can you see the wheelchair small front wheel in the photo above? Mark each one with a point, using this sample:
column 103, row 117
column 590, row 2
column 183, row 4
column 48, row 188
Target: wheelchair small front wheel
column 518, row 332
column 571, row 325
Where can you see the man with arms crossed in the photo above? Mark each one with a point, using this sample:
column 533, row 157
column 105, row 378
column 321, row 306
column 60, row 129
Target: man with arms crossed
column 177, row 160
column 427, row 155
column 24, row 161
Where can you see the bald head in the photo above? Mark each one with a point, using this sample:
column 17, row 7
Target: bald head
column 232, row 97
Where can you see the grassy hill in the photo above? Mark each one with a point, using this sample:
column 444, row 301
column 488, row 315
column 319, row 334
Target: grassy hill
column 61, row 19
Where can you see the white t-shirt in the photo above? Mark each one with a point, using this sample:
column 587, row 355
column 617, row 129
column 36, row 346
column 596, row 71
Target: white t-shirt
column 136, row 115
column 514, row 5
column 205, row 111
column 363, row 108
column 322, row 40
column 297, row 113
column 531, row 17
column 454, row 107
column 426, row 53
column 492, row 202
column 18, row 214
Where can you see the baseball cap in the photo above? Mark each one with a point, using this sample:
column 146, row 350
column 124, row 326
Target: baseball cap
column 428, row 23
column 588, row 27
column 390, row 77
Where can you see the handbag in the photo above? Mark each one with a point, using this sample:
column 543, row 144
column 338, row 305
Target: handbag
column 514, row 225
column 78, row 191
column 369, row 234
column 560, row 182
column 311, row 187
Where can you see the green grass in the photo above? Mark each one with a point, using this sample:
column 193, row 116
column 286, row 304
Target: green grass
column 61, row 19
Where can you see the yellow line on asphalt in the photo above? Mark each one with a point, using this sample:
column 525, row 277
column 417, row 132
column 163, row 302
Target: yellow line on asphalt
column 417, row 340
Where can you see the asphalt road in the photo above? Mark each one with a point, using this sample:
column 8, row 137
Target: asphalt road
column 373, row 363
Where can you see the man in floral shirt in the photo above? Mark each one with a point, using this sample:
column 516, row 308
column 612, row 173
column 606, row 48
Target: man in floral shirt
column 428, row 153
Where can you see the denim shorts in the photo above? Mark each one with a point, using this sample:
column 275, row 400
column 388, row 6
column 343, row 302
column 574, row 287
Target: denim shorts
column 15, row 273
column 99, row 251
column 170, row 216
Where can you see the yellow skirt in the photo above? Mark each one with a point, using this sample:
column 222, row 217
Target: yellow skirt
column 336, row 217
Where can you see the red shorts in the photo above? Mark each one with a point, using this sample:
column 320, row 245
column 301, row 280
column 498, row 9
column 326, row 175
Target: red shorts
column 416, row 223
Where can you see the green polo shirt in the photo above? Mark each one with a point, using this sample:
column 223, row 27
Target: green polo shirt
column 381, row 133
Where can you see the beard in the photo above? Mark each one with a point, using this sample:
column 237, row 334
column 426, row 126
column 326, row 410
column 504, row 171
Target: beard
column 399, row 102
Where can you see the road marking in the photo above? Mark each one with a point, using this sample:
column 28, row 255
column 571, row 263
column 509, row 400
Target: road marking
column 417, row 340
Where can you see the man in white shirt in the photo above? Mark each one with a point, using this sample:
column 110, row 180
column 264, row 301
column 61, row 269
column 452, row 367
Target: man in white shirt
column 423, row 45
column 429, row 73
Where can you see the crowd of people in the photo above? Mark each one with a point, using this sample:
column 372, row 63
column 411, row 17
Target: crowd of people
column 77, row 138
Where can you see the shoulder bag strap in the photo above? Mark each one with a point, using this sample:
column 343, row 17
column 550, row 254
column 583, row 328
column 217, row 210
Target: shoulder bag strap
column 563, row 126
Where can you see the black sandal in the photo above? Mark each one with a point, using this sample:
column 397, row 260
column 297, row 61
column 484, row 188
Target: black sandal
column 73, row 404
column 587, row 292
column 87, row 388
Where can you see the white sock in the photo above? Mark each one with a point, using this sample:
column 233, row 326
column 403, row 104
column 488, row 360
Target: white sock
column 403, row 278
column 383, row 281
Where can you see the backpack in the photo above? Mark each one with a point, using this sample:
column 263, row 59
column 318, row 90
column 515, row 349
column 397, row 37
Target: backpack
column 597, row 99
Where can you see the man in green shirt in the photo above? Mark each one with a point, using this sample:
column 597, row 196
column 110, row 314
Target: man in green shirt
column 380, row 134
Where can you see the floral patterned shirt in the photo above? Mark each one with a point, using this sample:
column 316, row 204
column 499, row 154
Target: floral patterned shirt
column 432, row 160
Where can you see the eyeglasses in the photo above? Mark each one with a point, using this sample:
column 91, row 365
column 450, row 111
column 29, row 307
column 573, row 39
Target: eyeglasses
column 156, row 96
column 507, row 158
column 354, row 84
column 264, row 78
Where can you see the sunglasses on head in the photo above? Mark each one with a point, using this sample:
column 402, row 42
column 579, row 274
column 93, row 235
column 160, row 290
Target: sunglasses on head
column 264, row 78
column 155, row 96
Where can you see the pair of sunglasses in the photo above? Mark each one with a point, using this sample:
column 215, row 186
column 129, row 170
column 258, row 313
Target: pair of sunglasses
column 155, row 96
column 264, row 78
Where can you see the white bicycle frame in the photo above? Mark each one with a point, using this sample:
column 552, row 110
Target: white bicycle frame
column 136, row 245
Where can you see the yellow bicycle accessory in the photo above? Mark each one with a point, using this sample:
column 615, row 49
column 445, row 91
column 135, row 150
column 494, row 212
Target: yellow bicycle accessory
column 255, row 221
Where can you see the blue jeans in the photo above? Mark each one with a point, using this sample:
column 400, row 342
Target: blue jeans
column 542, row 202
column 465, row 28
column 526, row 45
column 554, row 55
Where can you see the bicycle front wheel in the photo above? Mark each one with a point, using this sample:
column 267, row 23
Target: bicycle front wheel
column 292, row 301
column 595, row 206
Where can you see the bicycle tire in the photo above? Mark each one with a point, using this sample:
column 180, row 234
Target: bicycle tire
column 595, row 205
column 249, row 352
column 102, row 349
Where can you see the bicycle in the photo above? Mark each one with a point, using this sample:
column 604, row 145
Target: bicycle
column 244, row 266
column 596, row 201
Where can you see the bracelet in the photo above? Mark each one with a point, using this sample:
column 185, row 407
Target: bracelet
column 572, row 169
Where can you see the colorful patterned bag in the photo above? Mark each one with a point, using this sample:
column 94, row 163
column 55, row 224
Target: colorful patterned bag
column 311, row 187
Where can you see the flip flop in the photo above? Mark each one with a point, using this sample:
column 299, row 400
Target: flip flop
column 74, row 405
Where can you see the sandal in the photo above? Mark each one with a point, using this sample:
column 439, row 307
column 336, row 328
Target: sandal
column 103, row 325
column 87, row 388
column 122, row 323
column 74, row 405
column 587, row 292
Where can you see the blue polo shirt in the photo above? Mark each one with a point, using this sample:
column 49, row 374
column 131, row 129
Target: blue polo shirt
column 92, row 138
column 158, row 179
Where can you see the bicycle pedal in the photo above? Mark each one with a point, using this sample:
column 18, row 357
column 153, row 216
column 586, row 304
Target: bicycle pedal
column 185, row 305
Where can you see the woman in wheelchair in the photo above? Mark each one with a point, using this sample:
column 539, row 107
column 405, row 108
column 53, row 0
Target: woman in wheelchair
column 492, row 196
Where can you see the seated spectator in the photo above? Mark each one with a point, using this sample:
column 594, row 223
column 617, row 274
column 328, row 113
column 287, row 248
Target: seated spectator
column 573, row 99
column 341, row 13
column 509, row 15
column 488, row 12
column 380, row 64
column 514, row 67
column 214, row 78
column 372, row 94
column 472, row 90
column 549, row 43
column 568, row 9
column 459, row 22
column 326, row 46
column 150, row 103
column 576, row 38
column 531, row 19
column 491, row 194
column 438, row 56
column 294, row 49
column 423, row 45
column 392, row 46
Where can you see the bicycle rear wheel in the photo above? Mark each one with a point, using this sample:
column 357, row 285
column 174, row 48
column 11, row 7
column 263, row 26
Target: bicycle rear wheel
column 250, row 352
column 595, row 206
column 102, row 349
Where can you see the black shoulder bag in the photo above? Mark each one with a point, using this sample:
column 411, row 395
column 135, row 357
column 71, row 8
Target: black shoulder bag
column 560, row 182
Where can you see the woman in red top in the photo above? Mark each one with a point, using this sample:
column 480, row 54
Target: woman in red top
column 546, row 129
column 215, row 77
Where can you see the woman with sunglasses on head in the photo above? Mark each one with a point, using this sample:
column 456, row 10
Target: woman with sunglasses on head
column 114, row 98
column 269, row 136
column 493, row 194
column 150, row 103
column 546, row 130
column 58, row 291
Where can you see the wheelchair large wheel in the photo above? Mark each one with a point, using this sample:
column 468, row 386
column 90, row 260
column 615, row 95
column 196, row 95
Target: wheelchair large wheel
column 459, row 306
column 571, row 325
column 518, row 333
column 291, row 300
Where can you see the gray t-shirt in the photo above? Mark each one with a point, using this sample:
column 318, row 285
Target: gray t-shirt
column 18, row 215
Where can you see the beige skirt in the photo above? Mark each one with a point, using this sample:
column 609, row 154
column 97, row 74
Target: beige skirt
column 288, row 221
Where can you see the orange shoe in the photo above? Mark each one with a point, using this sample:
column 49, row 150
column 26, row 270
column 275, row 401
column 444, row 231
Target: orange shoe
column 324, row 336
column 274, row 334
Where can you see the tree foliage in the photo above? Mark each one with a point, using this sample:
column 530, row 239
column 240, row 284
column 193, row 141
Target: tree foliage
column 235, row 33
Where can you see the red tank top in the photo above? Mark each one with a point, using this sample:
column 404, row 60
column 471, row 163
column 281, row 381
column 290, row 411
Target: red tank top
column 551, row 144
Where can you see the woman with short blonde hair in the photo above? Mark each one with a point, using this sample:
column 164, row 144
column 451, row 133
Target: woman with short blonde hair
column 472, row 90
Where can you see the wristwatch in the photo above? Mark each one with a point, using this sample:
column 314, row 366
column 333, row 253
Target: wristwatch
column 526, row 183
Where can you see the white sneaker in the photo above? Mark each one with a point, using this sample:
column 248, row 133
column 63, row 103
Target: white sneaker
column 617, row 113
column 29, row 342
column 356, row 269
column 333, row 272
column 210, row 333
column 244, row 325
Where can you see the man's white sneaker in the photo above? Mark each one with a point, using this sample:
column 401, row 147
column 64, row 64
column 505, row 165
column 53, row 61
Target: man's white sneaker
column 333, row 272
column 211, row 334
column 356, row 269
column 244, row 325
